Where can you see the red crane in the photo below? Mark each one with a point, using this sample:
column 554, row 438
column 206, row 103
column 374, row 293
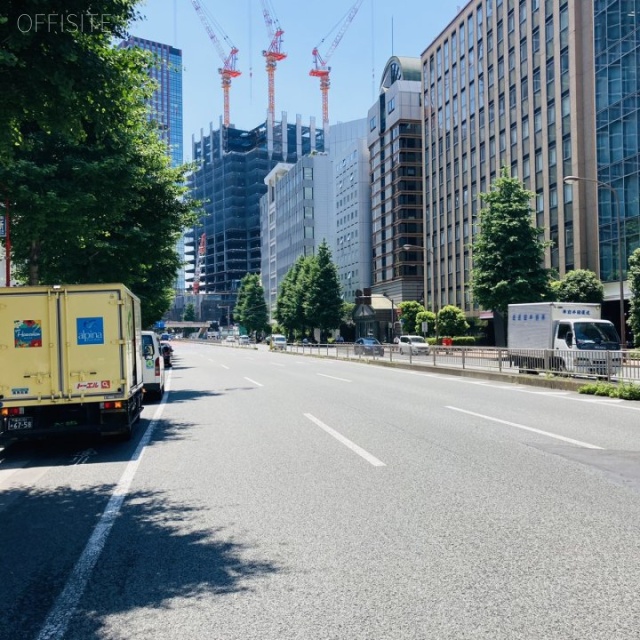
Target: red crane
column 273, row 54
column 228, row 70
column 322, row 70
column 202, row 248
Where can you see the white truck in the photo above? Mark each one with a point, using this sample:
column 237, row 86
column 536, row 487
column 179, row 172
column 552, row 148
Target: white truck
column 70, row 360
column 563, row 336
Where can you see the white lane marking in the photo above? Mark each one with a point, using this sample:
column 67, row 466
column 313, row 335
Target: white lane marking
column 324, row 375
column 277, row 364
column 521, row 426
column 224, row 366
column 345, row 441
column 55, row 626
column 254, row 382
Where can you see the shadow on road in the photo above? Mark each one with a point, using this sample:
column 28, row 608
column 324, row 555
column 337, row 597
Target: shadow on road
column 156, row 552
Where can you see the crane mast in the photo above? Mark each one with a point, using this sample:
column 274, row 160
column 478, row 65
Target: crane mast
column 272, row 55
column 228, row 70
column 321, row 68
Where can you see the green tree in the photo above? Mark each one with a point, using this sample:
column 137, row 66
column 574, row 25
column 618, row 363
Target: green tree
column 579, row 285
column 451, row 321
column 290, row 308
column 508, row 256
column 190, row 312
column 251, row 307
column 425, row 316
column 93, row 196
column 323, row 299
column 409, row 310
column 633, row 274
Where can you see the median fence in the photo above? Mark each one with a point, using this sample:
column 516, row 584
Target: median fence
column 613, row 366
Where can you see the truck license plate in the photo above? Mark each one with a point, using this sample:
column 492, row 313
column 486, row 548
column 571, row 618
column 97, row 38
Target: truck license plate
column 19, row 423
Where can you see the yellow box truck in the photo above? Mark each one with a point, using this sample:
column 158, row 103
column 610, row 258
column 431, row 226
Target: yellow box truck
column 70, row 360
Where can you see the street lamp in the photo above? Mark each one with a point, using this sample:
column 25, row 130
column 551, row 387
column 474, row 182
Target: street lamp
column 572, row 180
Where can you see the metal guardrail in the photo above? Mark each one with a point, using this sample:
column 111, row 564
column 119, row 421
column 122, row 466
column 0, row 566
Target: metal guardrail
column 613, row 366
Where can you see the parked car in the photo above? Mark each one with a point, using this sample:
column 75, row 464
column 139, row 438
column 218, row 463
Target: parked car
column 244, row 340
column 413, row 345
column 153, row 371
column 368, row 347
column 167, row 352
column 230, row 339
column 279, row 342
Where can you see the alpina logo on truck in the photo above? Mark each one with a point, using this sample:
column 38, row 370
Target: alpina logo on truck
column 90, row 331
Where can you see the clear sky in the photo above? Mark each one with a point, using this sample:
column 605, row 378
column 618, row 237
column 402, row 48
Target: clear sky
column 381, row 28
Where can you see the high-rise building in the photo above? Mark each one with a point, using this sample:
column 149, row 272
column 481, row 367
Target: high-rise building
column 395, row 148
column 229, row 181
column 166, row 102
column 520, row 84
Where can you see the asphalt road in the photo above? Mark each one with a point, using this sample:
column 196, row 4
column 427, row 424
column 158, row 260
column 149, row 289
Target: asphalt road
column 276, row 497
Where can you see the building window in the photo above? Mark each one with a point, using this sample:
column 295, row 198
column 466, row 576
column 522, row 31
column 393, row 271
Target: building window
column 307, row 173
column 308, row 193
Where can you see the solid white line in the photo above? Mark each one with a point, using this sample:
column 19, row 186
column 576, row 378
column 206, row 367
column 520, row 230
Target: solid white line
column 55, row 626
column 277, row 364
column 324, row 375
column 521, row 426
column 345, row 441
column 254, row 382
column 224, row 366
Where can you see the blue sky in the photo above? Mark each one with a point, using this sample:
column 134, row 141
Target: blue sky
column 380, row 29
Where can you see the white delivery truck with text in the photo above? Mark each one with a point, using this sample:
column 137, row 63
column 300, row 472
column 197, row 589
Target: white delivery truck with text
column 563, row 336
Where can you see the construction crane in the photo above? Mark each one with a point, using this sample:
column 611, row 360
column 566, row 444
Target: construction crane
column 202, row 247
column 273, row 54
column 322, row 70
column 228, row 70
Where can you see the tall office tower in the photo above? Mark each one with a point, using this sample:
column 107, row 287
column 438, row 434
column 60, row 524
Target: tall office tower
column 229, row 181
column 395, row 148
column 513, row 83
column 617, row 98
column 166, row 102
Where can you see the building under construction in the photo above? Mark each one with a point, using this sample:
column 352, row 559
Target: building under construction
column 229, row 182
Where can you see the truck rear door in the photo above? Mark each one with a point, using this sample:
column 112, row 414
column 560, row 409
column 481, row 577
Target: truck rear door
column 93, row 348
column 29, row 337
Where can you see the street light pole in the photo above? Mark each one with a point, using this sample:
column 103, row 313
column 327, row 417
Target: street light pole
column 393, row 315
column 573, row 179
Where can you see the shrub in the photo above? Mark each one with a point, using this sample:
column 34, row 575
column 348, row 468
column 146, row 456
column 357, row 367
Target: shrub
column 463, row 341
column 633, row 355
column 624, row 390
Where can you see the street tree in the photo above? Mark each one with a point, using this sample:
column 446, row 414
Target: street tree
column 579, row 285
column 451, row 321
column 290, row 312
column 633, row 274
column 93, row 196
column 189, row 312
column 425, row 316
column 251, row 308
column 323, row 299
column 508, row 256
column 409, row 310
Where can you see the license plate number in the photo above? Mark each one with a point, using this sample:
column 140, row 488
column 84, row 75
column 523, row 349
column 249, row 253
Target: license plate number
column 19, row 423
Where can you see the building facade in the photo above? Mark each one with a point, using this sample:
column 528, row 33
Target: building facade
column 229, row 181
column 296, row 217
column 517, row 84
column 395, row 148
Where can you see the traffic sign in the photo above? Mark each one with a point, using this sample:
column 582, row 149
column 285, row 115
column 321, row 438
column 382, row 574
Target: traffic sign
column 3, row 227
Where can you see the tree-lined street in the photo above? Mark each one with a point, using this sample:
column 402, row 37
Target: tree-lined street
column 286, row 497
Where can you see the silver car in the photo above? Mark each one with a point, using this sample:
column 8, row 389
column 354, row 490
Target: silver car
column 413, row 345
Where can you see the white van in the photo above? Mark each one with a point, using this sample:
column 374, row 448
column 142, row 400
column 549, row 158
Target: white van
column 279, row 342
column 153, row 372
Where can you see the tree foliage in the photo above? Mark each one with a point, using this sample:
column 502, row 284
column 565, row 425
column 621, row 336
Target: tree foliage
column 93, row 196
column 251, row 308
column 451, row 321
column 633, row 275
column 409, row 310
column 310, row 296
column 579, row 285
column 425, row 316
column 507, row 254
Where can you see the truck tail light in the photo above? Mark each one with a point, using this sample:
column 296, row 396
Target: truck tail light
column 111, row 405
column 12, row 411
column 157, row 366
